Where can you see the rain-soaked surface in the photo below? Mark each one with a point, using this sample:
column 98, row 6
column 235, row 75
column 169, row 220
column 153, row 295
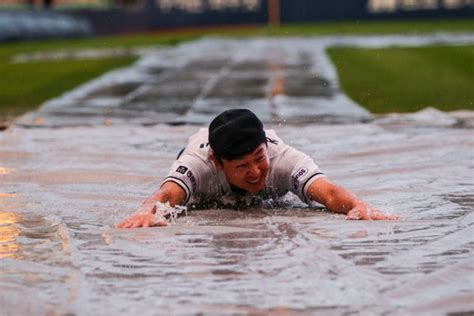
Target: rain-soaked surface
column 281, row 79
column 63, row 189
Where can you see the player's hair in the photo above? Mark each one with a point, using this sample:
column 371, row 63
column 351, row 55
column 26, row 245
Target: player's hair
column 235, row 133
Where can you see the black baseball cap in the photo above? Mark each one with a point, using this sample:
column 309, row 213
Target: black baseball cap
column 235, row 133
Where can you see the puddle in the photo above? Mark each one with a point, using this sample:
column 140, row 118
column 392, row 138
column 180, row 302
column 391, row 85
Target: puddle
column 285, row 256
column 65, row 188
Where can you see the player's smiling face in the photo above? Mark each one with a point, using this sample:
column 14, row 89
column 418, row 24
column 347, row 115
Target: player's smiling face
column 250, row 171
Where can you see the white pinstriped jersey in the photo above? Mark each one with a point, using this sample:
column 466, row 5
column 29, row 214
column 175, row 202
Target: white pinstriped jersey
column 290, row 170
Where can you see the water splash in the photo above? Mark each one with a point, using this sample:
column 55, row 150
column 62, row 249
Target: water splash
column 166, row 211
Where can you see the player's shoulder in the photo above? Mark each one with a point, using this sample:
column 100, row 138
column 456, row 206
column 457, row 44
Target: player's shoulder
column 198, row 144
column 200, row 139
column 276, row 146
column 273, row 138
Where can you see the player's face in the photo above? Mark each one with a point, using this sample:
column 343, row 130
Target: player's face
column 249, row 172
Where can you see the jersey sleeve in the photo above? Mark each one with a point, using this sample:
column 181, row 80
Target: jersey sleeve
column 186, row 172
column 300, row 172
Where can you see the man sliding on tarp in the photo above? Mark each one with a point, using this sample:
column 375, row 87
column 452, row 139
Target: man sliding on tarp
column 238, row 162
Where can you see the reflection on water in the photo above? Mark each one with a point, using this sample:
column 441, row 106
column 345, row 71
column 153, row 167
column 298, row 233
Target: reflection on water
column 285, row 257
column 6, row 195
column 30, row 237
column 5, row 170
column 8, row 234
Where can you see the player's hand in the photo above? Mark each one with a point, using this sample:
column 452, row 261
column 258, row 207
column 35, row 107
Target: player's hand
column 142, row 220
column 364, row 212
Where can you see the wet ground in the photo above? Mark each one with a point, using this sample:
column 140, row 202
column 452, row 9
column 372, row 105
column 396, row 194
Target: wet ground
column 281, row 79
column 63, row 189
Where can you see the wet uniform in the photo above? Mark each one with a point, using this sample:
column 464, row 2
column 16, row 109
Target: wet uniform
column 290, row 170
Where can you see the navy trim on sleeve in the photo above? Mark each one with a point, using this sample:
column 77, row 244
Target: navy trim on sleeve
column 182, row 184
column 180, row 152
column 306, row 182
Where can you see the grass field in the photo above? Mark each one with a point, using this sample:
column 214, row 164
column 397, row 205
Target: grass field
column 24, row 86
column 408, row 79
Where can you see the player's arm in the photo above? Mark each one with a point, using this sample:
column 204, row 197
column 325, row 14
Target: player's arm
column 145, row 215
column 340, row 200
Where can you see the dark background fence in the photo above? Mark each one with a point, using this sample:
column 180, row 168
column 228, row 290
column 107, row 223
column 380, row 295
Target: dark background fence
column 152, row 16
column 321, row 10
column 159, row 14
column 119, row 16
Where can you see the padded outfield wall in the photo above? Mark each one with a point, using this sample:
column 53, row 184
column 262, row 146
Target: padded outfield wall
column 145, row 15
column 322, row 10
column 159, row 14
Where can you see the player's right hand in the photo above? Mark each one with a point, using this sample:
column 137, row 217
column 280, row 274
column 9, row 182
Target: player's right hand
column 142, row 220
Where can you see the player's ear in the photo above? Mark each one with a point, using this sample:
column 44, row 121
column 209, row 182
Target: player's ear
column 216, row 161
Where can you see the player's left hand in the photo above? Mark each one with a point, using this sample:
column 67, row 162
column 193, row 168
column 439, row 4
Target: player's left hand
column 364, row 212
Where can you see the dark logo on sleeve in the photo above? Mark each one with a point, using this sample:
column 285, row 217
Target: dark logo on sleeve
column 182, row 169
column 191, row 177
column 298, row 175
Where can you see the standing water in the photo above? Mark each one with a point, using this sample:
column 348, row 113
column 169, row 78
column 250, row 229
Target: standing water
column 62, row 190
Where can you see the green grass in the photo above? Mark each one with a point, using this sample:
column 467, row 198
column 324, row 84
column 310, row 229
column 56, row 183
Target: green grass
column 163, row 38
column 298, row 29
column 24, row 86
column 373, row 27
column 408, row 79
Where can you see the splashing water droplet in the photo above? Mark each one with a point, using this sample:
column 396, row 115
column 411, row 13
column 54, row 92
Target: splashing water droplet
column 167, row 211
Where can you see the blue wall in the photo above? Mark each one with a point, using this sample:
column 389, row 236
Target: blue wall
column 323, row 10
column 161, row 14
column 155, row 16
